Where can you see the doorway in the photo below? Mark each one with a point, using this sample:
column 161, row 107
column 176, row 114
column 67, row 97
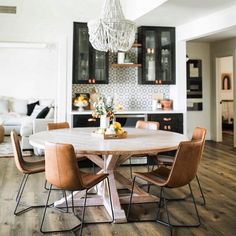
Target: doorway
column 224, row 97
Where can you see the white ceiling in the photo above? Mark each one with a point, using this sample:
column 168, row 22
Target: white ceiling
column 170, row 13
column 223, row 35
column 179, row 12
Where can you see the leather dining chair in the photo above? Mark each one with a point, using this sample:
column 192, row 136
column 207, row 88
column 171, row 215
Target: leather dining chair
column 59, row 125
column 65, row 125
column 62, row 171
column 27, row 168
column 150, row 125
column 181, row 173
column 199, row 134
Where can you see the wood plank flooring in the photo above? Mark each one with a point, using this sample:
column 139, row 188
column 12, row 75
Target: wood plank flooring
column 217, row 175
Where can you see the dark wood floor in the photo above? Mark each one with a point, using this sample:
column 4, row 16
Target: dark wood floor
column 217, row 175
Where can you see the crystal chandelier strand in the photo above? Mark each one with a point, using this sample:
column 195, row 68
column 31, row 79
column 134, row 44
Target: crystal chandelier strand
column 112, row 32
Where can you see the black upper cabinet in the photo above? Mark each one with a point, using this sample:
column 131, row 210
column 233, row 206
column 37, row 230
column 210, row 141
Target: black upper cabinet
column 89, row 65
column 157, row 55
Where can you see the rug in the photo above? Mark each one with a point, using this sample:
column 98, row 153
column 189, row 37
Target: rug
column 7, row 151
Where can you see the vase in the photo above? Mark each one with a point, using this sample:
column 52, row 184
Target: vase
column 104, row 122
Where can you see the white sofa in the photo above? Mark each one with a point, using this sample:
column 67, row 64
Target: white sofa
column 13, row 115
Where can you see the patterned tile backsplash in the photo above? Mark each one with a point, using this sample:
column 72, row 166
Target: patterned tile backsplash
column 123, row 86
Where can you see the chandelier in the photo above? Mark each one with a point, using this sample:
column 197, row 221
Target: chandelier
column 112, row 32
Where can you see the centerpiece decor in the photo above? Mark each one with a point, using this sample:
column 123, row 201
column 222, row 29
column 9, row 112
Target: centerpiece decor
column 104, row 109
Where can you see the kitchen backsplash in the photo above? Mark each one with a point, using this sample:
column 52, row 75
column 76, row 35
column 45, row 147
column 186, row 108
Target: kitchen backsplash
column 123, row 86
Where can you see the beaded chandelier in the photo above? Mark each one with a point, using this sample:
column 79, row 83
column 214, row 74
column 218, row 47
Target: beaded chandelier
column 112, row 32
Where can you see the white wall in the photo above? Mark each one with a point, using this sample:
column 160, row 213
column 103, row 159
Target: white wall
column 217, row 22
column 50, row 22
column 201, row 51
column 28, row 72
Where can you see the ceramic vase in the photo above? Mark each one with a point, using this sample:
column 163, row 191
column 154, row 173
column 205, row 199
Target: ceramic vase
column 104, row 122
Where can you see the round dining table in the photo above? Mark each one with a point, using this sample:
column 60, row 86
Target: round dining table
column 109, row 154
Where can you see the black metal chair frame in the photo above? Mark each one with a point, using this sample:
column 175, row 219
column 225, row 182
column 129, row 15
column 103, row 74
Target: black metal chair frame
column 19, row 195
column 165, row 201
column 199, row 186
column 80, row 225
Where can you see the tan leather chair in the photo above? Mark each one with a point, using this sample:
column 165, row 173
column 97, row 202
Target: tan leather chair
column 62, row 171
column 60, row 125
column 199, row 134
column 65, row 125
column 26, row 168
column 182, row 172
column 151, row 125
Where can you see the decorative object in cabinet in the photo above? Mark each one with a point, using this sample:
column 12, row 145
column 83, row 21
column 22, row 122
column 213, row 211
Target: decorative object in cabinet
column 157, row 55
column 89, row 65
column 194, row 85
column 127, row 61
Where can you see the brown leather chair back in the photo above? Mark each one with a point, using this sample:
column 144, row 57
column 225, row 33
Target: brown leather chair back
column 199, row 134
column 60, row 125
column 151, row 125
column 17, row 151
column 184, row 168
column 61, row 167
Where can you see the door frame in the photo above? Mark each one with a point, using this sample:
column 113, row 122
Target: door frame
column 218, row 97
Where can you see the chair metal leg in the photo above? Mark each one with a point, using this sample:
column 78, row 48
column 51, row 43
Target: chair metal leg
column 203, row 197
column 46, row 188
column 19, row 195
column 130, row 168
column 21, row 184
column 67, row 207
column 167, row 212
column 159, row 204
column 195, row 206
column 179, row 225
column 44, row 214
column 72, row 202
column 131, row 196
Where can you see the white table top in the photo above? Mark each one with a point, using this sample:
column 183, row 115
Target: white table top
column 138, row 141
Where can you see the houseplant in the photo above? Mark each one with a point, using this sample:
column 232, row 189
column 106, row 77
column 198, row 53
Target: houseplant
column 104, row 109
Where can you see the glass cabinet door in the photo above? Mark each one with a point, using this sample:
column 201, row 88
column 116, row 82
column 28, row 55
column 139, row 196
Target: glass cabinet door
column 89, row 65
column 167, row 73
column 100, row 62
column 81, row 54
column 149, row 50
column 157, row 55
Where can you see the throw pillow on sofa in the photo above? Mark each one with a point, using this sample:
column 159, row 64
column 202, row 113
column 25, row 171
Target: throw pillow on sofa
column 36, row 111
column 30, row 107
column 19, row 106
column 3, row 106
column 42, row 114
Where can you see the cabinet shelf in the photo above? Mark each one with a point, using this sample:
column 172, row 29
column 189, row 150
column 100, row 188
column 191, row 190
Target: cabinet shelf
column 125, row 65
column 137, row 45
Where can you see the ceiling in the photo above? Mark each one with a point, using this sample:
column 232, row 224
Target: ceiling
column 179, row 12
column 223, row 35
column 170, row 13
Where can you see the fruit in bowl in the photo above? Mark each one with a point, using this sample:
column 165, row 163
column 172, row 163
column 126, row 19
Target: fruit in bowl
column 116, row 127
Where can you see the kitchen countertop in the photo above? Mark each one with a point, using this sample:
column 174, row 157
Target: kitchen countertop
column 159, row 111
